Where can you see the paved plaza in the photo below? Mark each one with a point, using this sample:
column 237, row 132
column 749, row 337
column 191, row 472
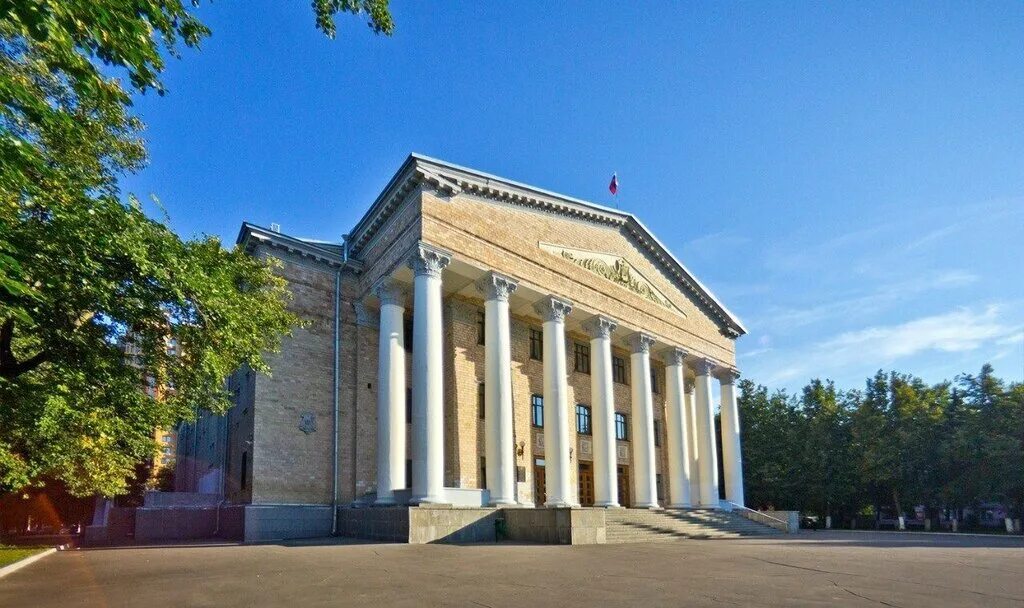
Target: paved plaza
column 813, row 568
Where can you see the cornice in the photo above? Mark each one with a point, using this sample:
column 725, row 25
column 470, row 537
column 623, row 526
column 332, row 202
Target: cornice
column 251, row 235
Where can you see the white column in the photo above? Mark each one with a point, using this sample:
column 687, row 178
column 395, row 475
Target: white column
column 732, row 455
column 678, row 443
column 642, row 421
column 390, row 392
column 693, row 455
column 707, row 454
column 427, row 376
column 498, row 447
column 602, row 395
column 556, row 406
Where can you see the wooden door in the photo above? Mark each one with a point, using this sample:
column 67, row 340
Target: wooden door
column 586, row 484
column 624, row 486
column 540, row 494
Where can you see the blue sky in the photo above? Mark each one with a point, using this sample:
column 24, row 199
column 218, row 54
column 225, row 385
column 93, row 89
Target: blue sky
column 847, row 177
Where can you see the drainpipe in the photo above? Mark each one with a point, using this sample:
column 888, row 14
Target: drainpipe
column 337, row 365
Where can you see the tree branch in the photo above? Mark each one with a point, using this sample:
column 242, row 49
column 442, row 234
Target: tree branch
column 10, row 367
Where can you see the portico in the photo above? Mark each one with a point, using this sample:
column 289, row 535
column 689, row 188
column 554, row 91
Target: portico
column 434, row 276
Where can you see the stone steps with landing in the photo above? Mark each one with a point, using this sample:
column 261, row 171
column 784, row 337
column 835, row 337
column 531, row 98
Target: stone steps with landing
column 638, row 525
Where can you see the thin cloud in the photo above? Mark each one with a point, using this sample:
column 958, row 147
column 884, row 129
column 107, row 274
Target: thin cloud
column 961, row 330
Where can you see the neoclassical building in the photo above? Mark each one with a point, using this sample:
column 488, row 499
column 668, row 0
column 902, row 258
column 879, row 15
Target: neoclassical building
column 477, row 345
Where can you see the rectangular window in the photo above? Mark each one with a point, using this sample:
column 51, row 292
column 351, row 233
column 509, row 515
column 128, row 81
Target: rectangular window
column 536, row 344
column 660, row 486
column 483, row 473
column 537, row 410
column 481, row 327
column 408, row 473
column 582, row 419
column 481, row 399
column 619, row 370
column 242, row 473
column 621, row 427
column 582, row 358
column 654, row 382
column 167, row 438
column 407, row 330
column 657, row 433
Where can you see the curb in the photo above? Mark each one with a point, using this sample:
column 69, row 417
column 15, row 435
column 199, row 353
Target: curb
column 916, row 532
column 18, row 565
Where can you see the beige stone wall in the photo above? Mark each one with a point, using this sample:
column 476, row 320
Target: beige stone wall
column 289, row 465
column 506, row 238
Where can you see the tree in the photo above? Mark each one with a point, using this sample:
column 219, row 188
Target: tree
column 83, row 268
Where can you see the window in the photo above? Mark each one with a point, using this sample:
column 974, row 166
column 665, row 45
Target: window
column 582, row 358
column 582, row 419
column 621, row 428
column 408, row 473
column 167, row 438
column 654, row 382
column 481, row 400
column 660, row 486
column 165, row 460
column 483, row 472
column 619, row 370
column 407, row 330
column 537, row 410
column 241, row 475
column 167, row 449
column 536, row 344
column 481, row 327
column 408, row 405
column 657, row 433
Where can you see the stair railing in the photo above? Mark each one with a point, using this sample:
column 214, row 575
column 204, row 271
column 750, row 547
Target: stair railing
column 759, row 517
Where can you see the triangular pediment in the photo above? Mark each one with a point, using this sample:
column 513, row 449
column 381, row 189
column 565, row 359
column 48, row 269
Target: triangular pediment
column 451, row 180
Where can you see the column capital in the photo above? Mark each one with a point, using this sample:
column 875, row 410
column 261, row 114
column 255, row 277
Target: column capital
column 641, row 342
column 390, row 291
column 728, row 375
column 496, row 286
column 553, row 308
column 600, row 326
column 675, row 356
column 705, row 366
column 429, row 260
column 365, row 316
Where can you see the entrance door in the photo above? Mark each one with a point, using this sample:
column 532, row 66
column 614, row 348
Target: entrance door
column 540, row 494
column 623, row 474
column 586, row 484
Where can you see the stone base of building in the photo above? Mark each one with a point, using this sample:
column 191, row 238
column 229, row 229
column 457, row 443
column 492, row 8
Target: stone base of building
column 452, row 524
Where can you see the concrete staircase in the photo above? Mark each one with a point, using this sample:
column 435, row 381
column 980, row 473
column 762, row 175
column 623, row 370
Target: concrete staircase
column 641, row 525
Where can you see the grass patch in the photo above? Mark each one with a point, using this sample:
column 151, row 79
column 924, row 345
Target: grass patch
column 9, row 554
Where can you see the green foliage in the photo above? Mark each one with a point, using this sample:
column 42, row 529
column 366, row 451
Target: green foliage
column 898, row 443
column 85, row 273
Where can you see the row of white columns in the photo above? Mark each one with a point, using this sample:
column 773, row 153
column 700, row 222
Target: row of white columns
column 689, row 415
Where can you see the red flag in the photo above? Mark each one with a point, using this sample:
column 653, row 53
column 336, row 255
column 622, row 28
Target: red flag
column 614, row 186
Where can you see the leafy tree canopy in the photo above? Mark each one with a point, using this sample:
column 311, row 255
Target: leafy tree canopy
column 85, row 274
